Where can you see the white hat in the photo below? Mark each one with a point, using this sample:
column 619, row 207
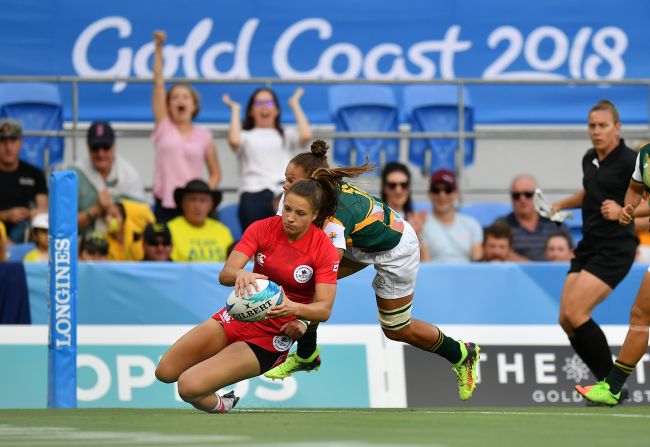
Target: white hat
column 40, row 221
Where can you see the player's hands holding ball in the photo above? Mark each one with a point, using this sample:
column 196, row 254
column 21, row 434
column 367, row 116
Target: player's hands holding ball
column 245, row 280
column 286, row 308
column 626, row 214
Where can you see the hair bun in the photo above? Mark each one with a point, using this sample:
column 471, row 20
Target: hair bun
column 319, row 148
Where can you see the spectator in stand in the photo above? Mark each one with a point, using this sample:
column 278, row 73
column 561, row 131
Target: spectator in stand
column 449, row 236
column 497, row 243
column 3, row 242
column 264, row 148
column 396, row 193
column 559, row 248
column 94, row 247
column 530, row 230
column 196, row 236
column 104, row 178
column 41, row 252
column 23, row 191
column 157, row 242
column 396, row 188
column 182, row 149
column 126, row 221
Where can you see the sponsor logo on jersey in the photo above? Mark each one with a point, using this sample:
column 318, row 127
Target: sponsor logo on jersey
column 260, row 258
column 282, row 342
column 303, row 273
column 332, row 235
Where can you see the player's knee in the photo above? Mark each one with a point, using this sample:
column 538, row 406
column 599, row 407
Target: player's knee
column 165, row 373
column 187, row 387
column 638, row 316
column 402, row 334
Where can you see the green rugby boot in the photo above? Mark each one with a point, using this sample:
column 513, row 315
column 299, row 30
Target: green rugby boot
column 599, row 393
column 293, row 364
column 465, row 370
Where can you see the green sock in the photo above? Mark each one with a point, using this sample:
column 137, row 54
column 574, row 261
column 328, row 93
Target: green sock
column 448, row 348
column 618, row 375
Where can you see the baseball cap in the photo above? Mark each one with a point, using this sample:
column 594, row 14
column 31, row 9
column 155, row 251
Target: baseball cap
column 444, row 176
column 40, row 221
column 100, row 134
column 10, row 128
column 95, row 243
column 153, row 231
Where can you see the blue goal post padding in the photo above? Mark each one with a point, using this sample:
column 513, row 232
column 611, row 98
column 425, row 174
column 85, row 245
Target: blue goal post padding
column 62, row 347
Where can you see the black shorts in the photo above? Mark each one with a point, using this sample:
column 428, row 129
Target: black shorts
column 608, row 259
column 267, row 359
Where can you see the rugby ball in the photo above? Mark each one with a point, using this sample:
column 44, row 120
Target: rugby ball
column 254, row 307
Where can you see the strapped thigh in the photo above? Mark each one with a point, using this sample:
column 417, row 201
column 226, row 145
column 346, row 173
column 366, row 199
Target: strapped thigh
column 395, row 319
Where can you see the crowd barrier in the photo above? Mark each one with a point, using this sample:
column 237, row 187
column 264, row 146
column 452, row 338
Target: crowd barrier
column 129, row 314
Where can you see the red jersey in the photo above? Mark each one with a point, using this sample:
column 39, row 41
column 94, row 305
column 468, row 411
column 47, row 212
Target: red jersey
column 296, row 266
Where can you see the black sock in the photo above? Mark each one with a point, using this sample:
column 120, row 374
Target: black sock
column 618, row 375
column 307, row 344
column 448, row 348
column 590, row 344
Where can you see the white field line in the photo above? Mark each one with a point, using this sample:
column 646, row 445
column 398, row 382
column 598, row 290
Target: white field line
column 457, row 413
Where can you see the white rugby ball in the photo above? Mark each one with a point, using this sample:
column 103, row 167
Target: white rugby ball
column 254, row 307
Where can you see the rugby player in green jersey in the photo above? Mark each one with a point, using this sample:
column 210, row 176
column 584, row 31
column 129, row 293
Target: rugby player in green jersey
column 366, row 232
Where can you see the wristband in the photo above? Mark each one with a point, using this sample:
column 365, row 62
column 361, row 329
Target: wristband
column 304, row 321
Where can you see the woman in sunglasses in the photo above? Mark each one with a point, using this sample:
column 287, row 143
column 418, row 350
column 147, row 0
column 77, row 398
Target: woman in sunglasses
column 607, row 250
column 264, row 148
column 183, row 150
column 447, row 235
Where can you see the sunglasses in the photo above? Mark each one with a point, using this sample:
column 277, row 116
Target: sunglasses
column 394, row 185
column 447, row 189
column 100, row 148
column 517, row 195
column 259, row 103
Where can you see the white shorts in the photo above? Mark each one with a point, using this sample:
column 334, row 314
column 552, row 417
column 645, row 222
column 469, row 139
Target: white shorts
column 396, row 268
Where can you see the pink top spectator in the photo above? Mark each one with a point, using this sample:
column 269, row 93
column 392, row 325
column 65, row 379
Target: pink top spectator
column 177, row 160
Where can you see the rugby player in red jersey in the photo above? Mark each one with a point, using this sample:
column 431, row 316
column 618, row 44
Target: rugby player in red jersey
column 288, row 250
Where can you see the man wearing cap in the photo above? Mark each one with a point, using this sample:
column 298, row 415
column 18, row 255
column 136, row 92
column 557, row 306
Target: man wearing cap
column 23, row 191
column 94, row 247
column 448, row 236
column 157, row 242
column 196, row 236
column 104, row 178
column 530, row 231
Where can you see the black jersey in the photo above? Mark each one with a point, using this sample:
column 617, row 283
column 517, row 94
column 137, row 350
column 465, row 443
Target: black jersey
column 606, row 179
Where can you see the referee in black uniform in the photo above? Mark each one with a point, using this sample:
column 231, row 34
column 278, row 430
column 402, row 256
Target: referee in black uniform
column 606, row 252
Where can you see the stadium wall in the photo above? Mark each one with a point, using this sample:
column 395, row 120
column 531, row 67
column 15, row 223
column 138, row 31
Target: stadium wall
column 130, row 313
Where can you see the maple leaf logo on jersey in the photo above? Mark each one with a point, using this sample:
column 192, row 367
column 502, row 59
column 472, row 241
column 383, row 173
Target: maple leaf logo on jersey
column 303, row 273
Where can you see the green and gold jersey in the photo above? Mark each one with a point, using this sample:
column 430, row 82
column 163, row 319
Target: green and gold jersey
column 641, row 174
column 363, row 221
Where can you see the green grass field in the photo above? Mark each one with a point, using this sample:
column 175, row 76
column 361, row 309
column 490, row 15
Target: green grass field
column 529, row 427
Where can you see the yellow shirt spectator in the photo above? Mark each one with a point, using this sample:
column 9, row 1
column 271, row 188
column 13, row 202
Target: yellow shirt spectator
column 3, row 242
column 207, row 243
column 126, row 222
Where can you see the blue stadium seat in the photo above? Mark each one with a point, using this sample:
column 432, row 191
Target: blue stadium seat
column 486, row 212
column 434, row 108
column 575, row 225
column 36, row 106
column 16, row 252
column 364, row 108
column 228, row 216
